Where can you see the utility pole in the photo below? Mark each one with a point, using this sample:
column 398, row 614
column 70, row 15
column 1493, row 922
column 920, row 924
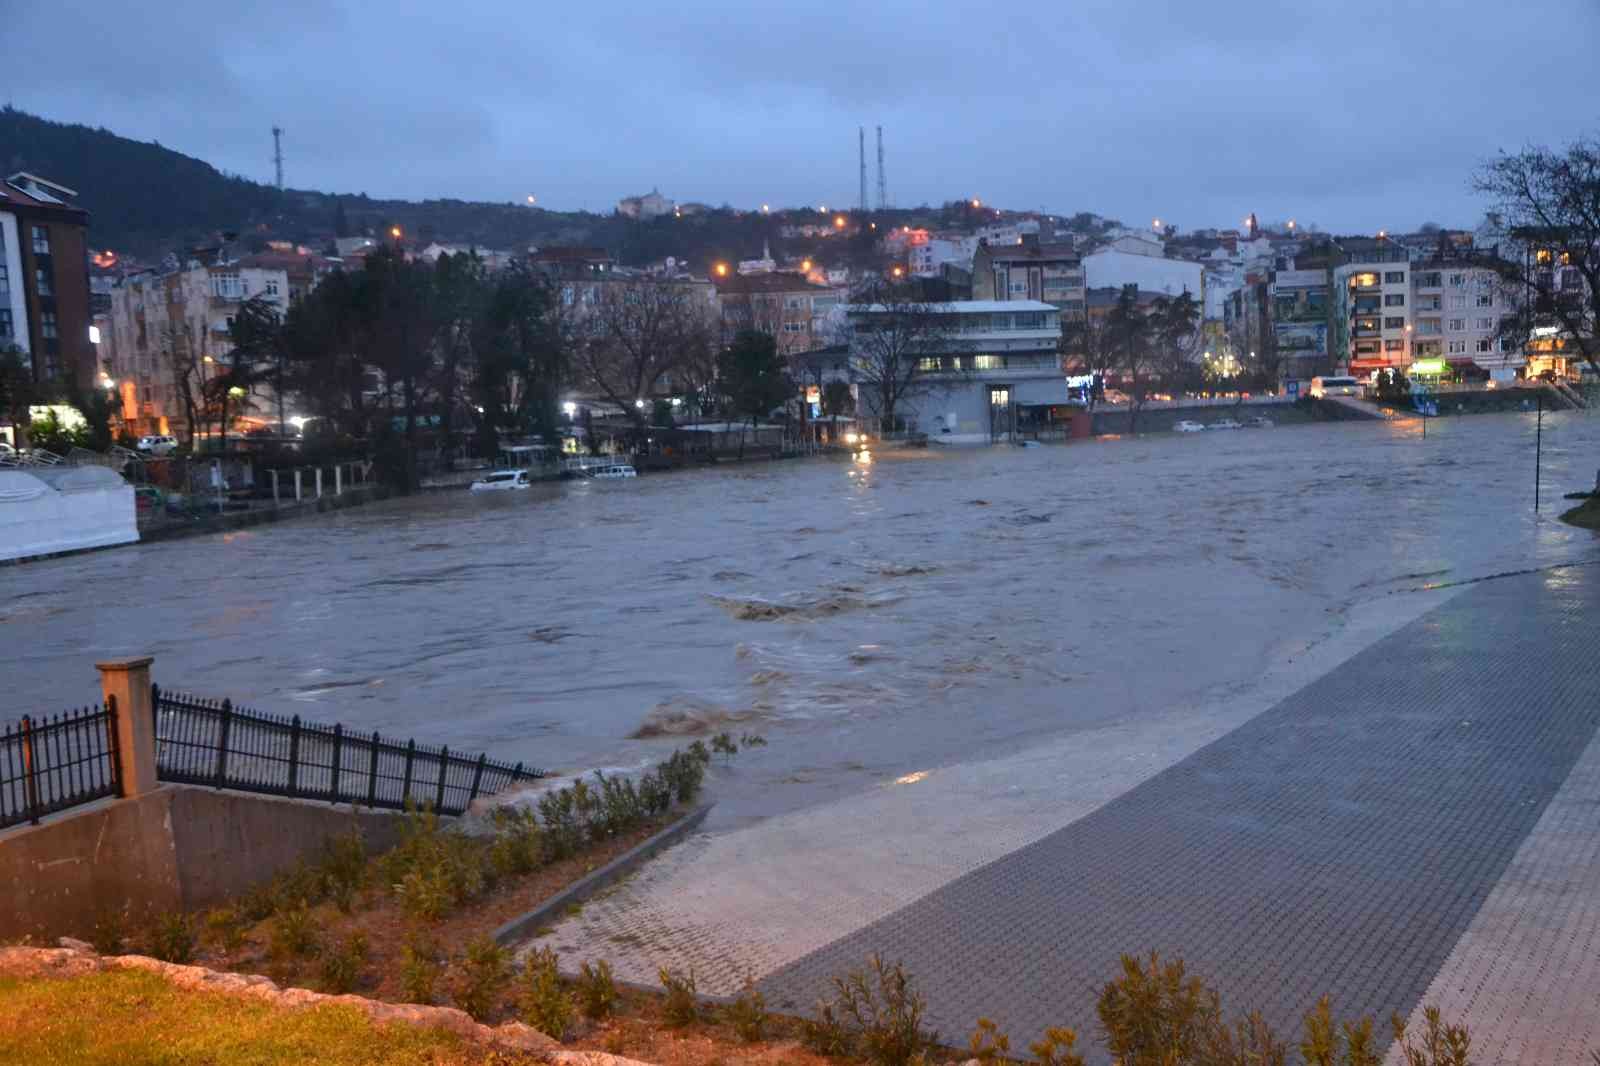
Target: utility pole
column 1538, row 451
column 883, row 187
column 277, row 153
column 861, row 149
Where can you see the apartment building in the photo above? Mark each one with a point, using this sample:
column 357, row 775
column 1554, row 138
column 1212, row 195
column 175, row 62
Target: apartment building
column 1029, row 270
column 44, row 280
column 1371, row 325
column 797, row 312
column 1300, row 322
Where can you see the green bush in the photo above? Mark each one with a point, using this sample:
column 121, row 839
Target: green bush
column 597, row 990
column 257, row 904
column 1149, row 1015
column 988, row 1043
column 294, row 934
column 1442, row 1045
column 885, row 1012
column 681, row 1006
column 343, row 869
column 224, row 929
column 433, row 869
column 419, row 969
column 110, row 931
column 563, row 829
column 748, row 1014
column 341, row 967
column 1057, row 1048
column 826, row 1033
column 724, row 744
column 545, row 1004
column 298, row 886
column 171, row 938
column 517, row 847
column 480, row 981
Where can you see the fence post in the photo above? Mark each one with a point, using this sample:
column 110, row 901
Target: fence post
column 30, row 771
column 297, row 484
column 338, row 757
column 477, row 778
column 111, row 745
column 444, row 764
column 127, row 682
column 274, row 474
column 223, row 728
column 372, row 774
column 319, row 482
column 294, row 754
column 405, row 786
column 338, row 479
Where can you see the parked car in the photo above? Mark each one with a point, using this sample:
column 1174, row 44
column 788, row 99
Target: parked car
column 501, row 481
column 1261, row 422
column 158, row 445
column 8, row 454
column 1186, row 426
column 1334, row 386
column 1226, row 423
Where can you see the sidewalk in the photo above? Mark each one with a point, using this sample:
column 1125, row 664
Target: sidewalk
column 1416, row 826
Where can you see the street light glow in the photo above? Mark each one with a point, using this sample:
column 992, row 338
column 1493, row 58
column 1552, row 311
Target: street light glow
column 838, row 222
column 805, row 264
column 722, row 270
column 569, row 408
column 532, row 199
column 394, row 231
column 639, row 404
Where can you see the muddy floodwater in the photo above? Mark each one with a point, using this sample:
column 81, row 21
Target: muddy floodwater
column 926, row 608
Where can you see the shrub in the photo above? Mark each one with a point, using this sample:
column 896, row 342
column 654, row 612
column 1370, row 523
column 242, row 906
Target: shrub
column 1442, row 1045
column 433, row 869
column 988, row 1043
column 172, row 938
column 826, row 1033
column 1148, row 1015
column 517, row 847
column 620, row 808
column 655, row 795
column 419, row 969
column 481, row 979
column 597, row 990
column 723, row 744
column 885, row 1011
column 748, row 1014
column 109, row 931
column 699, row 753
column 1323, row 1040
column 684, row 773
column 563, row 831
column 680, row 1008
column 224, row 929
column 1056, row 1049
column 294, row 934
column 752, row 740
column 341, row 968
column 298, row 886
column 545, row 1004
column 343, row 868
column 257, row 904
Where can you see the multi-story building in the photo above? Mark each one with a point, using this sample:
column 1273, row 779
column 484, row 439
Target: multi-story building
column 1138, row 262
column 44, row 281
column 1299, row 301
column 985, row 368
column 170, row 335
column 1371, row 327
column 794, row 310
column 651, row 205
column 1028, row 270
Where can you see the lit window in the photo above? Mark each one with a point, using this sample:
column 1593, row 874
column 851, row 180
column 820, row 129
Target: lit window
column 988, row 362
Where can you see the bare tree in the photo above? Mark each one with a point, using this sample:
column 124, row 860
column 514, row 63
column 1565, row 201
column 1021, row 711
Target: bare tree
column 898, row 347
column 626, row 335
column 1549, row 205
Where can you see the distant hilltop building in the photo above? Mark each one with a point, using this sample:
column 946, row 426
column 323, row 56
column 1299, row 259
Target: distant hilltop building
column 651, row 205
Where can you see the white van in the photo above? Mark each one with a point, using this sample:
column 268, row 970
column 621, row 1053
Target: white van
column 158, row 445
column 1334, row 386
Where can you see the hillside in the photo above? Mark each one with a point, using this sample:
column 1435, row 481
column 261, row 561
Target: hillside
column 145, row 200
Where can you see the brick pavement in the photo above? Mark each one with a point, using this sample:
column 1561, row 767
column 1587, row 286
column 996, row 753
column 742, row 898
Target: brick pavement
column 1348, row 841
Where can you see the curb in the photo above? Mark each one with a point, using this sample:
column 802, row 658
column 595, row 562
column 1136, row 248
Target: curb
column 521, row 926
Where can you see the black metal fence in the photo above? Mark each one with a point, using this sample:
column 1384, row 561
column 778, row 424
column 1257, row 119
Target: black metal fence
column 211, row 742
column 58, row 762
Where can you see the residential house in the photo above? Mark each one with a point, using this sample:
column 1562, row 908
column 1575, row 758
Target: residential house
column 1029, row 270
column 989, row 371
column 792, row 308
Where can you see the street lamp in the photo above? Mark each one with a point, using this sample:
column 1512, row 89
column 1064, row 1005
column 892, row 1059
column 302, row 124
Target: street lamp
column 805, row 264
column 532, row 199
column 569, row 408
column 639, row 404
column 722, row 270
column 394, row 231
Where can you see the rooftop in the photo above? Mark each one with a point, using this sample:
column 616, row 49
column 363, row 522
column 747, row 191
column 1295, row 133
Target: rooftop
column 773, row 281
column 965, row 307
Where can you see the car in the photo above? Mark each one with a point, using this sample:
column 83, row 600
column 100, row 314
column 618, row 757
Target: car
column 1226, row 423
column 1186, row 426
column 618, row 472
column 1261, row 422
column 1334, row 386
column 8, row 454
column 158, row 444
column 501, row 481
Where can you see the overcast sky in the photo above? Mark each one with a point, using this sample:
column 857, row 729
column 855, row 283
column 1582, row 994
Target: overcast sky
column 1351, row 116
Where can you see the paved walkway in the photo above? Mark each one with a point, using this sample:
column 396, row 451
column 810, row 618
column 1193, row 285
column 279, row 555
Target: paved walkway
column 1421, row 824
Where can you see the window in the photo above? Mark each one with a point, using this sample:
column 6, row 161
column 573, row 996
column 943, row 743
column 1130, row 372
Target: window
column 5, row 323
column 5, row 280
column 1366, row 325
column 1485, row 344
column 1030, row 320
column 1019, row 288
column 1458, row 347
column 1366, row 347
column 1429, row 280
column 1394, row 277
column 47, row 324
column 1395, row 322
column 794, row 327
column 1457, row 280
column 1428, row 325
column 41, row 282
column 272, row 286
column 928, row 363
column 1394, row 345
column 999, row 397
column 1485, row 299
column 1457, row 325
column 1395, row 299
column 1483, row 323
column 1364, row 281
column 41, row 241
column 988, row 362
column 1458, row 302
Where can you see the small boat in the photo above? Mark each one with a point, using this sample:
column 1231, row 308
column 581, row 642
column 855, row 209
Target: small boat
column 502, row 481
column 1187, row 426
column 615, row 472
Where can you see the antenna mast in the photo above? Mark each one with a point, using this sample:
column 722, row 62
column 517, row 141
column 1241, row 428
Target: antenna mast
column 277, row 153
column 861, row 147
column 883, row 187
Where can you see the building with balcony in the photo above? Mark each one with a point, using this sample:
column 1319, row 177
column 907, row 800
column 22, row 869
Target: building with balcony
column 794, row 310
column 1029, row 270
column 985, row 370
column 1370, row 289
column 44, row 281
column 1300, row 323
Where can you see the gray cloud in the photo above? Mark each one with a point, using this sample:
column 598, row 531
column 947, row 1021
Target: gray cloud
column 1198, row 113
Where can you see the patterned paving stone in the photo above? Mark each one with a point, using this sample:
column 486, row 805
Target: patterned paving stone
column 1342, row 842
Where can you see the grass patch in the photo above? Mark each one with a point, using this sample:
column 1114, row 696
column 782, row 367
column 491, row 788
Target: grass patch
column 133, row 1018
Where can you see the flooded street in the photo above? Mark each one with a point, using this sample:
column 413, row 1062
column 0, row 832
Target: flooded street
column 925, row 609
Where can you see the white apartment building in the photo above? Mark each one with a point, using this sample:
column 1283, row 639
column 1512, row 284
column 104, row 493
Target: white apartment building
column 1115, row 268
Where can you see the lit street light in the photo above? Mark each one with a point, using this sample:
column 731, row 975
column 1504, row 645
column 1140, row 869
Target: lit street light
column 532, row 199
column 722, row 270
column 394, row 231
column 805, row 264
column 639, row 404
column 569, row 408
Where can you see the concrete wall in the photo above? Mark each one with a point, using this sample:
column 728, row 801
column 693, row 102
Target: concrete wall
column 176, row 847
column 48, row 510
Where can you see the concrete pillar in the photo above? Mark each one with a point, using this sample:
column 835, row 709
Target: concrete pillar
column 127, row 682
column 274, row 474
column 297, row 484
column 319, row 482
column 338, row 479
